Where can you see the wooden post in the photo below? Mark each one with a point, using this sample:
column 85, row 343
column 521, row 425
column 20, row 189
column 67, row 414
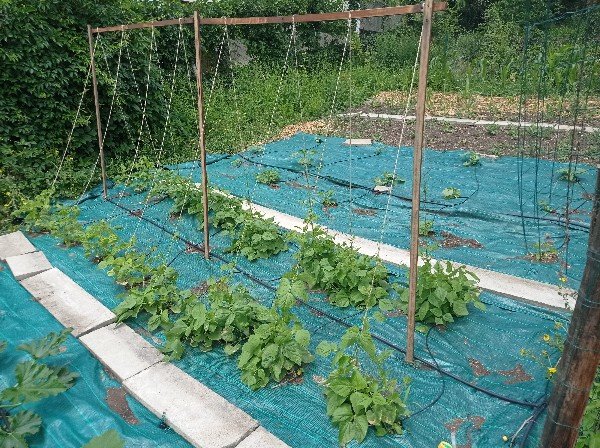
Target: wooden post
column 201, row 139
column 416, row 192
column 97, row 103
column 578, row 364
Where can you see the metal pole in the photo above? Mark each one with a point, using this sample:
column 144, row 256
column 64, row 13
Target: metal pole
column 201, row 139
column 416, row 192
column 97, row 103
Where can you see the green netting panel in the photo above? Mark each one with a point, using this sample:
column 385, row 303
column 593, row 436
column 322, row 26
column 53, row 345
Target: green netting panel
column 482, row 349
column 74, row 417
column 488, row 211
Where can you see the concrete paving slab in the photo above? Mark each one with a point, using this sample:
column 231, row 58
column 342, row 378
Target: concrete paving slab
column 28, row 265
column 358, row 142
column 261, row 438
column 68, row 302
column 13, row 244
column 511, row 286
column 202, row 417
column 121, row 350
column 527, row 124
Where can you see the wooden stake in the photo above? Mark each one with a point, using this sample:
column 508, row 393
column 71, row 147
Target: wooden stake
column 201, row 139
column 576, row 370
column 97, row 103
column 416, row 192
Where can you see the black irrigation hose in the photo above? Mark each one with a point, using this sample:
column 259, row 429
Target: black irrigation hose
column 384, row 341
column 335, row 318
column 573, row 225
column 532, row 422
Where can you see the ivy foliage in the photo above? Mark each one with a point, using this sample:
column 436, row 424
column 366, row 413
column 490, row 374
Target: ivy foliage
column 347, row 277
column 443, row 293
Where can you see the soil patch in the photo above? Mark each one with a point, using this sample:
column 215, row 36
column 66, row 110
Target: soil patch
column 200, row 288
column 364, row 211
column 116, row 398
column 450, row 241
column 516, row 375
column 478, row 367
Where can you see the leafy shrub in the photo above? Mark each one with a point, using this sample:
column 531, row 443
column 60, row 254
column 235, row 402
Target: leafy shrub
column 158, row 296
column 268, row 177
column 443, row 293
column 357, row 400
column 278, row 347
column 229, row 318
column 348, row 278
column 258, row 238
column 130, row 269
column 100, row 240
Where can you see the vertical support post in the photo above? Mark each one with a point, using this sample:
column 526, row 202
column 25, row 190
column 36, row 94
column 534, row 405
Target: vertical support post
column 201, row 139
column 97, row 104
column 578, row 364
column 416, row 188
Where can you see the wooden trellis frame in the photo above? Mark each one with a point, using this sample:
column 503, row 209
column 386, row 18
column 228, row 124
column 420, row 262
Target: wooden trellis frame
column 428, row 7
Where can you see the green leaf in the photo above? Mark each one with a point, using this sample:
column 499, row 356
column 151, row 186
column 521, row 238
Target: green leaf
column 47, row 346
column 110, row 439
column 37, row 381
column 25, row 423
column 342, row 413
column 302, row 337
column 325, row 348
column 460, row 309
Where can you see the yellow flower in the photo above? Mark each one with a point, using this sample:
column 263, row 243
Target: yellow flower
column 546, row 338
column 523, row 352
column 563, row 279
column 505, row 438
column 551, row 370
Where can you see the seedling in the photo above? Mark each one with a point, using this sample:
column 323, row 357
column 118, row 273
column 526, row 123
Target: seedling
column 451, row 193
column 304, row 157
column 571, row 174
column 492, row 129
column 471, row 159
column 268, row 177
column 426, row 228
column 327, row 199
column 388, row 179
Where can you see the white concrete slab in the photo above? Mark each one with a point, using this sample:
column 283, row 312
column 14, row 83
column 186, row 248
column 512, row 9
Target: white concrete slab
column 70, row 304
column 358, row 142
column 28, row 265
column 202, row 417
column 526, row 124
column 261, row 438
column 13, row 244
column 507, row 285
column 121, row 350
column 382, row 189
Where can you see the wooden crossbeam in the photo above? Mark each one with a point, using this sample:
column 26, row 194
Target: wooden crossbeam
column 300, row 18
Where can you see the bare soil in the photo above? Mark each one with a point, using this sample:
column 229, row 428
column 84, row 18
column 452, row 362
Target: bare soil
column 116, row 398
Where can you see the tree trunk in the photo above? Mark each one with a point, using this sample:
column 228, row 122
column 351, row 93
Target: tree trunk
column 577, row 367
